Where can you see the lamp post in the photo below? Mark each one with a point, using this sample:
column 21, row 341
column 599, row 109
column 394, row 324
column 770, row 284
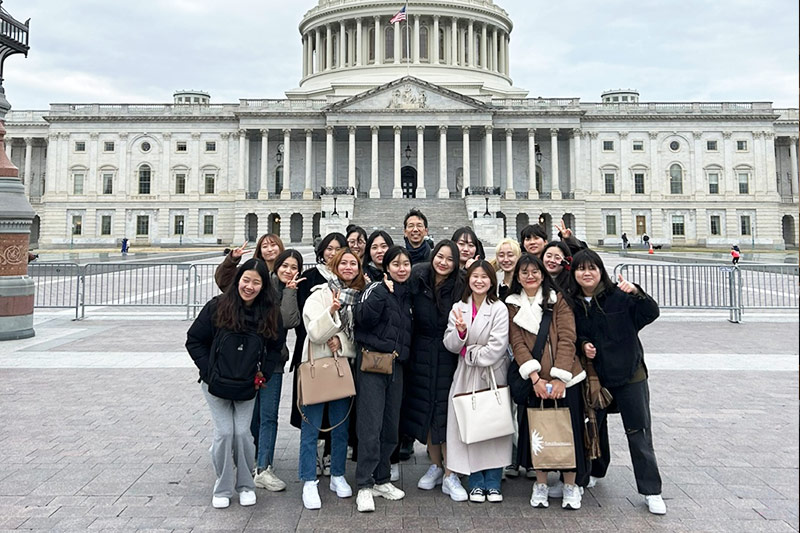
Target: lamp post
column 335, row 212
column 486, row 213
column 16, row 213
column 538, row 153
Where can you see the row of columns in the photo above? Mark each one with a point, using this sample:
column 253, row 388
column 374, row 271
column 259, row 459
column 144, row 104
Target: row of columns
column 26, row 174
column 493, row 45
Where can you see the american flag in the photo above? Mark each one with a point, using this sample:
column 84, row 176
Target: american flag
column 401, row 15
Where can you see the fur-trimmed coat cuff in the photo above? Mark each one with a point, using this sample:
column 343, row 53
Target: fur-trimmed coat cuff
column 528, row 368
column 561, row 374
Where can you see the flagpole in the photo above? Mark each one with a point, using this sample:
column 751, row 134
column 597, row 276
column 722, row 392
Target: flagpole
column 408, row 44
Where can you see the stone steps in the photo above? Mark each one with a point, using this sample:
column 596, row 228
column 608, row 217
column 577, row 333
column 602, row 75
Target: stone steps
column 444, row 215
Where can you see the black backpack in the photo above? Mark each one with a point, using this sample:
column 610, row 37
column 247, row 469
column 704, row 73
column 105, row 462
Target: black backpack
column 235, row 359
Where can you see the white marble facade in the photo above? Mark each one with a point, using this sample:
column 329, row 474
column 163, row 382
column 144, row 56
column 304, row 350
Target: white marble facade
column 698, row 173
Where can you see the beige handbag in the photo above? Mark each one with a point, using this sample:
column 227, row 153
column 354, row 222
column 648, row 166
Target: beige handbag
column 377, row 362
column 484, row 414
column 324, row 381
column 552, row 443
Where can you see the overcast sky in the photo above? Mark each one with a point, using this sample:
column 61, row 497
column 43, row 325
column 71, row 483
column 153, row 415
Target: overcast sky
column 142, row 51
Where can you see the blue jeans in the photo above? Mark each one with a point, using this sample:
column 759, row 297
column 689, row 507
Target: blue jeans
column 337, row 411
column 486, row 479
column 269, row 397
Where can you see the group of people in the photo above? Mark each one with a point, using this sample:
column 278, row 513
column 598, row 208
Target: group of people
column 448, row 322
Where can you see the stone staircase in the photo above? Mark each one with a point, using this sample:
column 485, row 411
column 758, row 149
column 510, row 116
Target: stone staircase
column 444, row 215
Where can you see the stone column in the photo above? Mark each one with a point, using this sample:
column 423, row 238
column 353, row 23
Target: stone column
column 27, row 171
column 624, row 182
column 264, row 186
column 489, row 172
column 328, row 47
column 351, row 159
column 200, row 181
column 577, row 179
column 308, row 193
column 769, row 154
column 378, row 54
column 421, row 191
column 305, row 56
column 501, row 62
column 443, row 192
column 62, row 185
column 656, row 176
column 465, row 164
column 454, row 42
column 342, row 47
column 242, row 179
column 484, row 59
column 555, row 189
column 329, row 156
column 374, row 186
column 123, row 167
column 759, row 186
column 533, row 194
column 470, row 44
column 434, row 54
column 697, row 180
column 9, row 142
column 397, row 191
column 793, row 157
column 507, row 48
column 494, row 49
column 286, row 191
column 728, row 175
column 510, row 195
column 416, row 40
column 359, row 46
column 398, row 41
column 166, row 176
column 225, row 171
column 317, row 40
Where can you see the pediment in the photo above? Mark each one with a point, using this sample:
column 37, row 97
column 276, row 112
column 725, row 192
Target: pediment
column 409, row 94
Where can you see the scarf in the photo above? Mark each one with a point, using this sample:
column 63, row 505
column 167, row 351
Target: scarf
column 347, row 298
column 418, row 255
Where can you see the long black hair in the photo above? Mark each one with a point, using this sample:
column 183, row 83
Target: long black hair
column 286, row 254
column 375, row 234
column 581, row 259
column 390, row 254
column 487, row 267
column 528, row 260
column 231, row 308
column 456, row 277
column 320, row 250
column 466, row 230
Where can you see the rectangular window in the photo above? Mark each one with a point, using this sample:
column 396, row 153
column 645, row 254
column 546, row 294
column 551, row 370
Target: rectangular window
column 108, row 146
column 108, row 183
column 609, row 181
column 713, row 183
column 638, row 183
column 715, row 225
column 77, row 184
column 178, row 224
column 180, row 146
column 611, row 225
column 77, row 224
column 711, row 146
column 208, row 224
column 678, row 228
column 741, row 146
column 211, row 146
column 638, row 146
column 144, row 181
column 180, row 183
column 142, row 225
column 105, row 225
column 80, row 146
column 744, row 183
column 209, row 183
column 746, row 226
column 608, row 146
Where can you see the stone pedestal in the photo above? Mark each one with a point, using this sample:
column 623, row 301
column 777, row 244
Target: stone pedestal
column 488, row 230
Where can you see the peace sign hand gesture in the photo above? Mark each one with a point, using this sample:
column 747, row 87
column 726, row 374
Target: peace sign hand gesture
column 470, row 261
column 237, row 253
column 461, row 326
column 566, row 233
column 292, row 284
column 335, row 304
column 626, row 286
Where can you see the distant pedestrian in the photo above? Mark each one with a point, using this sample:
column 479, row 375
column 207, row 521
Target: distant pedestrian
column 735, row 254
column 646, row 240
column 625, row 241
column 124, row 245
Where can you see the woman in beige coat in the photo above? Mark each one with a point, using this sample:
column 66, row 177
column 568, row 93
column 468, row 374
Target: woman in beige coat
column 478, row 330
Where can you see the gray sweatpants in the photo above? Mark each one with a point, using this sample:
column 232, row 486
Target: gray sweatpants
column 233, row 452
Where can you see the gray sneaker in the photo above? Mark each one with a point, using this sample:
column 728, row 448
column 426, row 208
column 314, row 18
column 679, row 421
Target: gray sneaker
column 451, row 486
column 266, row 479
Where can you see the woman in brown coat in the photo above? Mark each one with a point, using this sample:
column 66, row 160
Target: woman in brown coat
column 554, row 373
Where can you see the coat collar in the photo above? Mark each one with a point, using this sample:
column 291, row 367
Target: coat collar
column 529, row 315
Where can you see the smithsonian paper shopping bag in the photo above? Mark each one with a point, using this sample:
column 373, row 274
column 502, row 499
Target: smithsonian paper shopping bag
column 552, row 443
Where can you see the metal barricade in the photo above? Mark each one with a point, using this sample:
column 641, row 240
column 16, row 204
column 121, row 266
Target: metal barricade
column 769, row 286
column 203, row 287
column 57, row 285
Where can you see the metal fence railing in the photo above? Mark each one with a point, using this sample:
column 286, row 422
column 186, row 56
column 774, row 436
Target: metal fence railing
column 57, row 285
column 729, row 288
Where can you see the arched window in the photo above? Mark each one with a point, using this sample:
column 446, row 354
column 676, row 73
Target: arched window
column 675, row 179
column 371, row 46
column 423, row 44
column 388, row 43
column 441, row 45
column 144, row 179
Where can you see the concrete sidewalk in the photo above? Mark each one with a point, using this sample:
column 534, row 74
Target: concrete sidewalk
column 105, row 428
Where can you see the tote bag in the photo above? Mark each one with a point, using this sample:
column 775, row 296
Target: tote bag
column 484, row 414
column 552, row 442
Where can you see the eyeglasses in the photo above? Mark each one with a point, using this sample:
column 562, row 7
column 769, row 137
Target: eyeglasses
column 356, row 242
column 530, row 273
column 415, row 226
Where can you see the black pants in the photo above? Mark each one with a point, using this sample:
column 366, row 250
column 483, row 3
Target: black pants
column 633, row 402
column 378, row 417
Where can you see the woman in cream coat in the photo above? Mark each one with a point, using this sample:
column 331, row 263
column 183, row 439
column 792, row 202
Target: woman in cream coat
column 478, row 330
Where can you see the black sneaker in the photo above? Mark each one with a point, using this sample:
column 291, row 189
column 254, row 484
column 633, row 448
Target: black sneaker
column 477, row 495
column 511, row 471
column 406, row 449
column 494, row 495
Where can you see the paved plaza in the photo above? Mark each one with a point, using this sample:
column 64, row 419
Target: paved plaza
column 104, row 428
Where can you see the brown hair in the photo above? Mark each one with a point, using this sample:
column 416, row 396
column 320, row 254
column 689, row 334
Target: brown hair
column 333, row 265
column 231, row 308
column 267, row 236
column 491, row 296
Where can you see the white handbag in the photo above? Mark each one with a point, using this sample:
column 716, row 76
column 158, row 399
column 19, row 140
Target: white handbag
column 484, row 414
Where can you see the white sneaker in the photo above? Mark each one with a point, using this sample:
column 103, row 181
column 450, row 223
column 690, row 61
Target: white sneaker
column 395, row 472
column 432, row 477
column 364, row 501
column 220, row 502
column 571, row 498
column 340, row 486
column 451, row 486
column 388, row 491
column 247, row 498
column 592, row 482
column 266, row 479
column 539, row 495
column 311, row 495
column 655, row 504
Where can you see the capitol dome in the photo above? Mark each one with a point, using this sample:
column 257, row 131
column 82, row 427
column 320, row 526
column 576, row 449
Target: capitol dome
column 462, row 45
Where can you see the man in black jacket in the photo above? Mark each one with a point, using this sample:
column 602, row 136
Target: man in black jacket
column 415, row 229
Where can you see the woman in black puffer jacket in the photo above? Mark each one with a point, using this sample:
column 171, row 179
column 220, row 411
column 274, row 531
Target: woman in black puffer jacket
column 382, row 324
column 434, row 287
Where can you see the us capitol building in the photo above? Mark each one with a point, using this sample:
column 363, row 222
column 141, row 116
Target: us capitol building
column 383, row 114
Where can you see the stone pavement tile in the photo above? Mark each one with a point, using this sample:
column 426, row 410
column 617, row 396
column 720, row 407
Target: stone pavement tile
column 779, row 476
column 760, row 491
column 489, row 523
column 443, row 509
column 593, row 523
column 115, row 523
column 51, row 523
column 684, row 475
column 453, row 523
column 11, row 522
column 525, row 524
column 106, row 510
column 778, row 509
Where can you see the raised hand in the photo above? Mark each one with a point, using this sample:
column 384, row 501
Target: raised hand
column 292, row 283
column 626, row 286
column 335, row 304
column 237, row 253
column 470, row 261
column 461, row 326
column 566, row 233
column 589, row 350
column 389, row 283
